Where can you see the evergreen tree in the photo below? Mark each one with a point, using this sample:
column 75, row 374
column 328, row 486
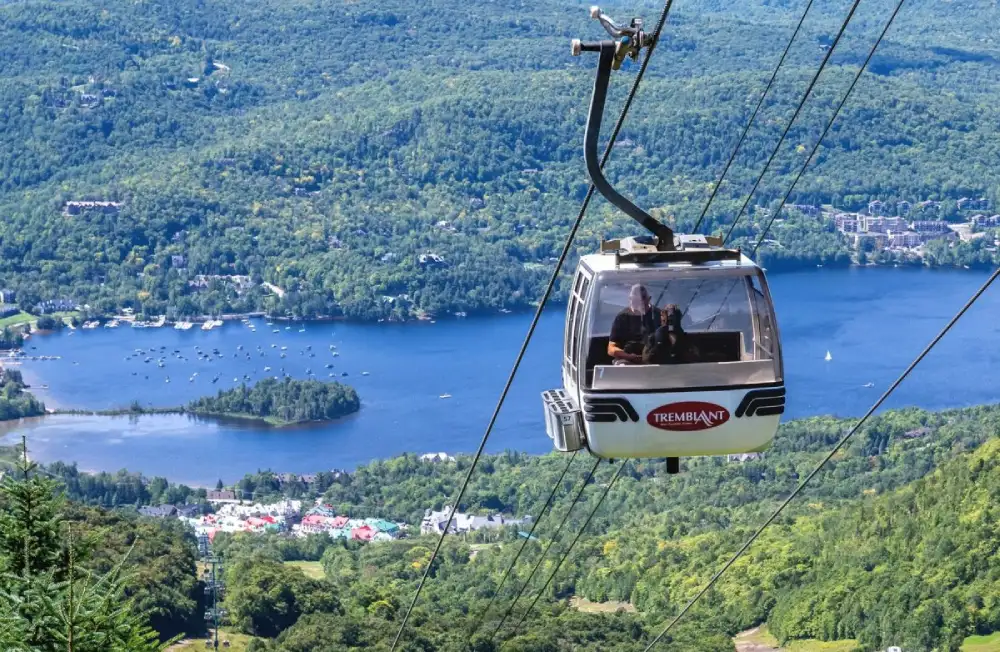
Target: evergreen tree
column 48, row 600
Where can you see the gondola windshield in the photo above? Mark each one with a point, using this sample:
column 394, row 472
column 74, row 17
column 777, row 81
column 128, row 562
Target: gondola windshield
column 701, row 319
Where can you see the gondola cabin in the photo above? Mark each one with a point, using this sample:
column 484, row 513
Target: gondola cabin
column 721, row 391
column 671, row 347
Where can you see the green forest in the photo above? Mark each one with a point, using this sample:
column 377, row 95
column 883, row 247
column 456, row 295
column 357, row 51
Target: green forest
column 78, row 578
column 282, row 402
column 251, row 145
column 892, row 544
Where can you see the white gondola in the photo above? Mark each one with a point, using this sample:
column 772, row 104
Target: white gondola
column 722, row 391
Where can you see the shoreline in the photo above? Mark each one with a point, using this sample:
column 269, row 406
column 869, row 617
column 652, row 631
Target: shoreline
column 782, row 268
column 459, row 454
column 272, row 422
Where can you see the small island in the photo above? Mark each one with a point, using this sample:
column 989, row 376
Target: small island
column 15, row 403
column 281, row 402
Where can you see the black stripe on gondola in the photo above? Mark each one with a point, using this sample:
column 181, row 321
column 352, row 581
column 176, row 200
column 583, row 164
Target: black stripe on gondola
column 683, row 390
column 771, row 395
column 758, row 403
column 770, row 410
column 614, row 410
column 619, row 407
column 602, row 418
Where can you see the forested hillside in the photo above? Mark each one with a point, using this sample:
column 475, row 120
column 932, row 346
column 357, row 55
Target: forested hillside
column 891, row 545
column 326, row 147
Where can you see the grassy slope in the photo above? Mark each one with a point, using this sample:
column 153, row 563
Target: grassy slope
column 989, row 643
column 313, row 569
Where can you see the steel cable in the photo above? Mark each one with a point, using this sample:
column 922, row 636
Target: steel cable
column 570, row 548
column 538, row 313
column 833, row 452
column 826, row 130
column 524, row 544
column 753, row 116
column 798, row 109
column 545, row 552
column 882, row 398
column 829, row 124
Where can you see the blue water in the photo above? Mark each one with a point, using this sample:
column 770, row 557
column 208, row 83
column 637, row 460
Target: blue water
column 873, row 321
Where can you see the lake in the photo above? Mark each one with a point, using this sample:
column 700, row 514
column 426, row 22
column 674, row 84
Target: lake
column 873, row 321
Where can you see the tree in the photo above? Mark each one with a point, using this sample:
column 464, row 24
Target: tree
column 48, row 600
column 265, row 597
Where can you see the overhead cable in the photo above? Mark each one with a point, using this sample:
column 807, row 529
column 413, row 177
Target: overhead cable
column 829, row 124
column 524, row 543
column 805, row 164
column 798, row 109
column 569, row 549
column 538, row 313
column 552, row 539
column 836, row 449
column 753, row 116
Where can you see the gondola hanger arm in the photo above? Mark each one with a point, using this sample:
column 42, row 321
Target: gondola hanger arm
column 629, row 41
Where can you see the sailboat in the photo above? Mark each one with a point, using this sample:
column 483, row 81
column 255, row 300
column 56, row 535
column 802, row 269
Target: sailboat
column 828, row 356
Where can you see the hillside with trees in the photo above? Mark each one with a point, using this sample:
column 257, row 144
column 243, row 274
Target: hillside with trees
column 890, row 545
column 282, row 402
column 80, row 579
column 233, row 148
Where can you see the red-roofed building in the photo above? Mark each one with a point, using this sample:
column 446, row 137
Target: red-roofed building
column 363, row 533
column 255, row 524
column 339, row 522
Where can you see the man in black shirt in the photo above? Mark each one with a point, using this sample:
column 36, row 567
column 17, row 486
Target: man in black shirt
column 631, row 327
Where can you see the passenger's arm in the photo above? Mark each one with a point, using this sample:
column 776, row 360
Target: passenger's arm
column 618, row 353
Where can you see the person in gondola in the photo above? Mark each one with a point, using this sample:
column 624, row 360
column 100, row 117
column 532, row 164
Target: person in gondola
column 669, row 344
column 631, row 328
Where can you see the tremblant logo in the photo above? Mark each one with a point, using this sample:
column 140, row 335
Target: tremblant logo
column 688, row 415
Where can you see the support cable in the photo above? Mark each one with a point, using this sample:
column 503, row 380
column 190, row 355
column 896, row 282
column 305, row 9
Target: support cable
column 552, row 539
column 829, row 124
column 753, row 116
column 826, row 130
column 538, row 313
column 524, row 544
column 798, row 109
column 570, row 548
column 881, row 399
column 829, row 456
column 739, row 142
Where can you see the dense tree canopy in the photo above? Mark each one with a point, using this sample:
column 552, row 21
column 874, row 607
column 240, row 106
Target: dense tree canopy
column 245, row 144
column 15, row 402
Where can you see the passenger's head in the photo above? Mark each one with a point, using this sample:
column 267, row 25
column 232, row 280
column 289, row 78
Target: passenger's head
column 638, row 297
column 671, row 316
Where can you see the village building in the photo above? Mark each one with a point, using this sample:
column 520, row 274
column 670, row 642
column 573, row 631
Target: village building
column 904, row 239
column 79, row 207
column 436, row 457
column 221, row 496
